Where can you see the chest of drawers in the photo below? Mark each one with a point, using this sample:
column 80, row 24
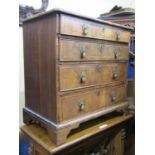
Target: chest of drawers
column 75, row 70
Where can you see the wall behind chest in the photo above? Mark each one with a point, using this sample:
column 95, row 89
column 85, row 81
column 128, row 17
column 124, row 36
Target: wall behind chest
column 21, row 77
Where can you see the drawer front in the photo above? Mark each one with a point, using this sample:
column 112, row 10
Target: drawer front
column 86, row 75
column 76, row 50
column 78, row 104
column 84, row 28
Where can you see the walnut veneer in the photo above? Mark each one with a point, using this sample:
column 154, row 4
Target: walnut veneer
column 75, row 70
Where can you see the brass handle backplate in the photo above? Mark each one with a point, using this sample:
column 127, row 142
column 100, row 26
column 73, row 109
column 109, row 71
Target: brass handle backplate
column 81, row 105
column 84, row 29
column 83, row 52
column 115, row 73
column 83, row 77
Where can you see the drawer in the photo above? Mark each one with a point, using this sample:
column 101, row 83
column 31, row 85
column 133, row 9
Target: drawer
column 86, row 75
column 84, row 28
column 77, row 50
column 78, row 104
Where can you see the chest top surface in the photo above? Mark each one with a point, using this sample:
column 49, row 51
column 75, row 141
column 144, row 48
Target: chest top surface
column 61, row 11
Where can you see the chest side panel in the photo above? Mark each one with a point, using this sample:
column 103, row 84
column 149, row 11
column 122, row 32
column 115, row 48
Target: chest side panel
column 39, row 62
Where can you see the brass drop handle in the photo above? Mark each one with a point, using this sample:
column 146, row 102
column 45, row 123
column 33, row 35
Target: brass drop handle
column 83, row 52
column 117, row 36
column 82, row 77
column 113, row 96
column 115, row 75
column 81, row 105
column 116, row 54
column 84, row 29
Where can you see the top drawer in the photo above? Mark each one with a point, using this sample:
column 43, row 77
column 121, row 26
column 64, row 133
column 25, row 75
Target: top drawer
column 79, row 27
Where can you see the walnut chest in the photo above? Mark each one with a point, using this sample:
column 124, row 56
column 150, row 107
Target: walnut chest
column 75, row 70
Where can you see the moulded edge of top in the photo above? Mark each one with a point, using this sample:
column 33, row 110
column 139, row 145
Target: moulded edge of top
column 56, row 10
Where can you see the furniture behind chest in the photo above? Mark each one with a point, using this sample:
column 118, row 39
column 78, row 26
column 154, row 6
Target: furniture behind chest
column 75, row 70
column 103, row 136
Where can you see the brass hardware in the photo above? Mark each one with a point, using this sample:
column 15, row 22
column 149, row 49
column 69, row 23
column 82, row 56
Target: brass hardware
column 117, row 36
column 116, row 54
column 82, row 77
column 84, row 29
column 82, row 105
column 83, row 52
column 113, row 96
column 115, row 73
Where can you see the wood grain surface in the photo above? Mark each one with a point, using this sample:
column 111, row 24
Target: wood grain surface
column 65, row 54
column 40, row 136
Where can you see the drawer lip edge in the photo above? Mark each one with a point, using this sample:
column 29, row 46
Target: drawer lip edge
column 80, row 90
column 91, row 86
column 89, row 39
column 94, row 38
